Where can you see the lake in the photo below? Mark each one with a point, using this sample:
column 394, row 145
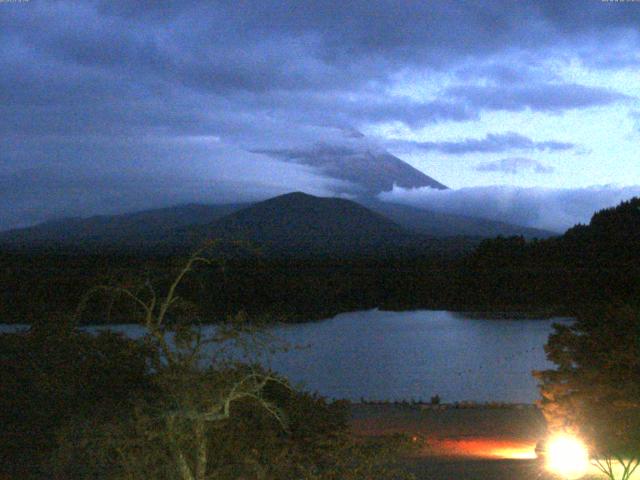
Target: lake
column 380, row 355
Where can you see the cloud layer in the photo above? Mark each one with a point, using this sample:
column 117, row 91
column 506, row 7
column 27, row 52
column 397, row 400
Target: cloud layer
column 104, row 66
column 546, row 208
column 163, row 175
column 514, row 165
column 129, row 98
column 494, row 143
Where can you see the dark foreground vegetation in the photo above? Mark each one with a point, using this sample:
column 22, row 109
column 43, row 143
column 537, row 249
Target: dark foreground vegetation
column 75, row 405
column 589, row 264
column 82, row 406
column 594, row 391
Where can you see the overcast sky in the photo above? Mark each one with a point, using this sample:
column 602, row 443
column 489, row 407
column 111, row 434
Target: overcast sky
column 120, row 105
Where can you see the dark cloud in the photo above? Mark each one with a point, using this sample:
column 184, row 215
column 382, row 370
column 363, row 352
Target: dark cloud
column 616, row 56
column 114, row 67
column 502, row 73
column 545, row 97
column 90, row 84
column 494, row 143
column 361, row 28
column 591, row 16
column 514, row 165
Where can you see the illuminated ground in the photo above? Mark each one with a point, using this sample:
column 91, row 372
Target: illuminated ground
column 469, row 444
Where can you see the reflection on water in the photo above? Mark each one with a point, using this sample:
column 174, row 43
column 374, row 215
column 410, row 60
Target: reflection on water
column 379, row 355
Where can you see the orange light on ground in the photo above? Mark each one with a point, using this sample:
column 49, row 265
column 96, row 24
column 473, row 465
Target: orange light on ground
column 567, row 457
column 486, row 448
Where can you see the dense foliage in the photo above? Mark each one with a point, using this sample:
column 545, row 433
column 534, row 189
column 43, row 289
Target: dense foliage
column 594, row 391
column 84, row 406
column 34, row 286
column 53, row 373
column 313, row 442
column 596, row 263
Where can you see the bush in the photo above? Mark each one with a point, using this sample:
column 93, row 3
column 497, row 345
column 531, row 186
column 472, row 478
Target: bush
column 54, row 372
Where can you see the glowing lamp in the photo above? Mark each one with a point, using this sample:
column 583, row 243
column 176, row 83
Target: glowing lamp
column 567, row 457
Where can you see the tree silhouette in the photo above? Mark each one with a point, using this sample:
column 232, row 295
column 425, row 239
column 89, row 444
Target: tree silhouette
column 594, row 391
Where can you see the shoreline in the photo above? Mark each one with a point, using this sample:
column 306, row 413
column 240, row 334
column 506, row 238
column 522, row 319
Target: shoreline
column 472, row 312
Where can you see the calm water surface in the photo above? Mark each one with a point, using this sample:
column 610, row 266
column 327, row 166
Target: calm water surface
column 378, row 355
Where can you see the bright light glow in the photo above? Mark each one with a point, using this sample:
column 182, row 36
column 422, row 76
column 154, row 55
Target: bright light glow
column 521, row 452
column 567, row 457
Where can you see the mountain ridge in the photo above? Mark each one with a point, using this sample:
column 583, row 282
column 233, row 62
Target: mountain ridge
column 152, row 227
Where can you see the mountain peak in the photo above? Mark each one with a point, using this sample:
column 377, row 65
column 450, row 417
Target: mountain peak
column 364, row 171
column 294, row 196
column 297, row 222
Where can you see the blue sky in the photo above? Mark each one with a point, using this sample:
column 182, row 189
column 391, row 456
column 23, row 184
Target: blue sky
column 112, row 106
column 604, row 137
